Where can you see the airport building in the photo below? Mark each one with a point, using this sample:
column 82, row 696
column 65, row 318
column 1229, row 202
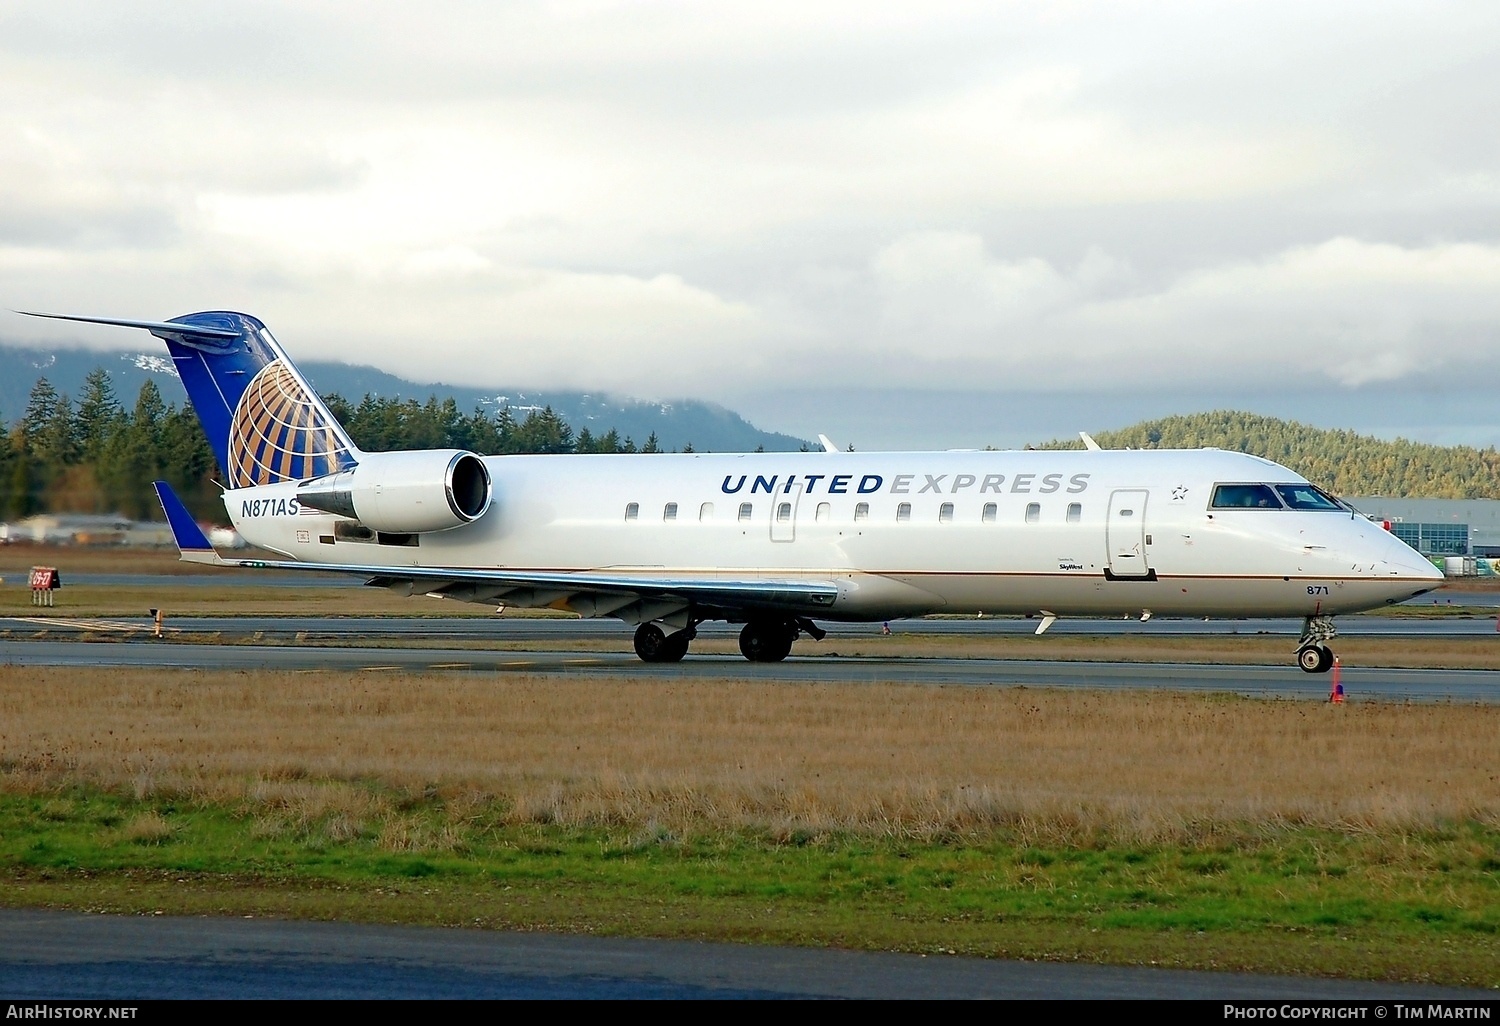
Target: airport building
column 86, row 529
column 1441, row 529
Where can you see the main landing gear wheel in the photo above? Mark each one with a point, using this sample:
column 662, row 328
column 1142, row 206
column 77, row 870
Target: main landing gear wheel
column 767, row 641
column 654, row 645
column 1315, row 658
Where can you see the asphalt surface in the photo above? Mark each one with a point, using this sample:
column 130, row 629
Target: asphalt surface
column 524, row 628
column 309, row 579
column 1257, row 681
column 48, row 954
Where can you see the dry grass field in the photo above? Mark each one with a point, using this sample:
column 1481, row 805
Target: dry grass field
column 1197, row 831
column 888, row 760
column 240, row 597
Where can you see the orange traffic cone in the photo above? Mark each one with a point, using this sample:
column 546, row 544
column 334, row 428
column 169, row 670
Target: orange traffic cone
column 1336, row 694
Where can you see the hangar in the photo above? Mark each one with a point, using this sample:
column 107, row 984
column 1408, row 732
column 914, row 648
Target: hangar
column 1438, row 528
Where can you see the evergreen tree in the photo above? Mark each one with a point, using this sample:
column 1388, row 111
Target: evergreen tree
column 39, row 409
column 505, row 430
column 22, row 490
column 544, row 431
column 139, row 453
column 186, row 461
column 7, row 468
column 481, row 433
column 98, row 414
column 340, row 408
column 47, row 429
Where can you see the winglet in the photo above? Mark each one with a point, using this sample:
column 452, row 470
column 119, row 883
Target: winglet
column 1088, row 441
column 192, row 543
column 828, row 445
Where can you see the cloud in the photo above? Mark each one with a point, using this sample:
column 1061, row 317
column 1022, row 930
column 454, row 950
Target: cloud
column 1344, row 312
column 670, row 198
column 446, row 315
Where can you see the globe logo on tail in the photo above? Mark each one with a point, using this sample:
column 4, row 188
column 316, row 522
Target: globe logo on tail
column 281, row 433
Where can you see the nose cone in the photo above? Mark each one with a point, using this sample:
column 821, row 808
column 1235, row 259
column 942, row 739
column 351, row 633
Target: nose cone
column 1403, row 571
column 1419, row 572
column 1404, row 568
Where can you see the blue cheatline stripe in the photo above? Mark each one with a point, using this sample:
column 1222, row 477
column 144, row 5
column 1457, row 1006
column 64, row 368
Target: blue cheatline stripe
column 185, row 530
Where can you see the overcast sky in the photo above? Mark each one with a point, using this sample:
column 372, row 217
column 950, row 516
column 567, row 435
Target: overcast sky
column 801, row 210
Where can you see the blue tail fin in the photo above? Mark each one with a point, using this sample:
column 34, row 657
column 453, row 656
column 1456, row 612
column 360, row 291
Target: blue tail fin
column 185, row 530
column 264, row 421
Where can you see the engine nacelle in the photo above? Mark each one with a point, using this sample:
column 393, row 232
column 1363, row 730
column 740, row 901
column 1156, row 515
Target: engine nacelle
column 405, row 492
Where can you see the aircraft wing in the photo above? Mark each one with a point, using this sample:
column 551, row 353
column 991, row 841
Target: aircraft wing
column 635, row 596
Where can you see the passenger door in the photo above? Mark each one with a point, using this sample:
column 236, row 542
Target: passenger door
column 1125, row 533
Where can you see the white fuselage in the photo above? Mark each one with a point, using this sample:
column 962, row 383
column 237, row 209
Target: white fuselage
column 903, row 534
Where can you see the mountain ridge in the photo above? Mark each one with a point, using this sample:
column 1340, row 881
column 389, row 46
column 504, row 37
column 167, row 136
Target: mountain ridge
column 677, row 423
column 1341, row 460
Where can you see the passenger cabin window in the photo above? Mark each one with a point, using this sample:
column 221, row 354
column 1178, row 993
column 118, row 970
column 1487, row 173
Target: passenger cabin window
column 669, row 511
column 1244, row 496
column 1075, row 512
column 784, row 512
column 825, row 512
column 903, row 513
column 1033, row 512
column 945, row 513
column 632, row 510
column 988, row 516
column 1306, row 496
column 745, row 510
column 862, row 511
column 706, row 511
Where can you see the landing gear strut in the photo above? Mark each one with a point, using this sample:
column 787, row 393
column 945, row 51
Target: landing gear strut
column 768, row 641
column 1312, row 654
column 654, row 645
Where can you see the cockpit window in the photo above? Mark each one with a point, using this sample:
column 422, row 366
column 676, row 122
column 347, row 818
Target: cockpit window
column 1306, row 496
column 1244, row 496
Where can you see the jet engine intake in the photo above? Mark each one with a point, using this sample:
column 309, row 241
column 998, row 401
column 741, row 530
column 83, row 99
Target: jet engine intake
column 405, row 492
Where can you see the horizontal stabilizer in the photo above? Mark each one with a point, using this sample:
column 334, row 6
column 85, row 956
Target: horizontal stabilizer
column 192, row 543
column 155, row 327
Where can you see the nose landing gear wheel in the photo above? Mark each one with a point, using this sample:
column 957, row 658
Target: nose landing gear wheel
column 1315, row 658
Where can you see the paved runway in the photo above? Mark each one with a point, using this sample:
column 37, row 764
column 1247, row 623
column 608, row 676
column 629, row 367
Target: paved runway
column 523, row 628
column 48, row 954
column 1259, row 681
column 283, row 579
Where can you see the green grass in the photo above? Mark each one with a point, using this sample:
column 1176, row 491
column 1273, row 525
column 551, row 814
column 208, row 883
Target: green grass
column 1413, row 906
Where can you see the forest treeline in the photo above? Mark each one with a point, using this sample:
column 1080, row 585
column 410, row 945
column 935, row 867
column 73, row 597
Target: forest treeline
column 95, row 454
column 1343, row 462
